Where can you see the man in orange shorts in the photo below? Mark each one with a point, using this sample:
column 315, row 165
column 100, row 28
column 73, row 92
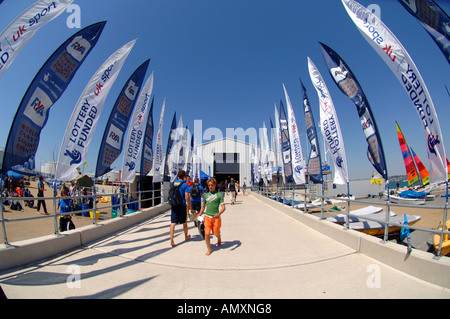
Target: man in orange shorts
column 213, row 206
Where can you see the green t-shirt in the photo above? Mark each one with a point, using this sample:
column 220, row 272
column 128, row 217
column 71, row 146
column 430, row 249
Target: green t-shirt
column 212, row 200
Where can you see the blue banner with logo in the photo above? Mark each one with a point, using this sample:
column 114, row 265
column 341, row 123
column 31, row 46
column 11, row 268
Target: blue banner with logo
column 285, row 145
column 147, row 152
column 173, row 128
column 45, row 89
column 112, row 141
column 434, row 20
column 347, row 82
column 314, row 159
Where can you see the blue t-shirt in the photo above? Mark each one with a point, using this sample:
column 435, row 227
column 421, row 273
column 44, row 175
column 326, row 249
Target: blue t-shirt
column 199, row 197
column 183, row 189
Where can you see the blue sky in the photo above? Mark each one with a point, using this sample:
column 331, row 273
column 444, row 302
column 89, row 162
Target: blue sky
column 224, row 62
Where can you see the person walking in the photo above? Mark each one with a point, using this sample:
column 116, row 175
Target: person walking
column 233, row 190
column 196, row 192
column 213, row 206
column 41, row 194
column 179, row 212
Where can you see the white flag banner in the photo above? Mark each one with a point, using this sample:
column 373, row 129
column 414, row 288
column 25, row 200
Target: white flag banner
column 278, row 137
column 136, row 133
column 81, row 126
column 329, row 125
column 20, row 31
column 174, row 156
column 384, row 42
column 159, row 156
column 267, row 166
column 298, row 163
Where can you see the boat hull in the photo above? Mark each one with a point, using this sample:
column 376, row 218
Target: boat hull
column 445, row 250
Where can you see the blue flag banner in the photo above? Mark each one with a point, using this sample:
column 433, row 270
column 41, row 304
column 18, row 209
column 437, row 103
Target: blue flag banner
column 147, row 153
column 46, row 88
column 314, row 160
column 112, row 141
column 173, row 128
column 434, row 20
column 285, row 145
column 349, row 85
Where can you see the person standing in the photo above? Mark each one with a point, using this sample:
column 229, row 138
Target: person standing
column 213, row 206
column 41, row 194
column 179, row 212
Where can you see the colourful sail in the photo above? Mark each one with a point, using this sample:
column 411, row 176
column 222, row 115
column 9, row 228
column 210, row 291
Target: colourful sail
column 424, row 174
column 389, row 48
column 46, row 88
column 411, row 171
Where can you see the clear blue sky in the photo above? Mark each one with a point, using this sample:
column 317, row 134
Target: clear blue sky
column 224, row 62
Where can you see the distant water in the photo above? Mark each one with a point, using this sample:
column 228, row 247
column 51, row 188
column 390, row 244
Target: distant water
column 402, row 183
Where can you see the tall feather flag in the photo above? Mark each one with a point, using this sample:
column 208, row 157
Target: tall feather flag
column 314, row 161
column 82, row 124
column 298, row 163
column 434, row 20
column 285, row 145
column 170, row 140
column 158, row 165
column 112, row 141
column 147, row 152
column 136, row 131
column 20, row 31
column 329, row 125
column 274, row 139
column 349, row 85
column 46, row 88
column 278, row 137
column 389, row 48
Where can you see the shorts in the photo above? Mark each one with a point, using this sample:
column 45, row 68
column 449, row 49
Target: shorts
column 232, row 194
column 178, row 215
column 213, row 224
column 196, row 206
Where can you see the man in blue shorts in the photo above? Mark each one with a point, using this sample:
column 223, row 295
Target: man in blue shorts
column 196, row 193
column 179, row 213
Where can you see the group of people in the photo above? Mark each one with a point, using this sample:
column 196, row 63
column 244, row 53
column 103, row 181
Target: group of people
column 210, row 204
column 65, row 204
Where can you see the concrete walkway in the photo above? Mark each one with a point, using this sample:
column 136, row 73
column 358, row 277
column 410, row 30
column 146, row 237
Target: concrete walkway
column 265, row 254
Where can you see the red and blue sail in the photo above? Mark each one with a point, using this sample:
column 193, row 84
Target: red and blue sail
column 46, row 88
column 348, row 84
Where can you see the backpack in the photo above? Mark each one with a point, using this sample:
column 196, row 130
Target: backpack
column 175, row 198
column 195, row 191
column 232, row 186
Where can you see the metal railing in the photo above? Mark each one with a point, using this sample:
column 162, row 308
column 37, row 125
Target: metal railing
column 124, row 199
column 286, row 195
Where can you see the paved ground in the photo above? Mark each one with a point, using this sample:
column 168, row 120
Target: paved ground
column 265, row 254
